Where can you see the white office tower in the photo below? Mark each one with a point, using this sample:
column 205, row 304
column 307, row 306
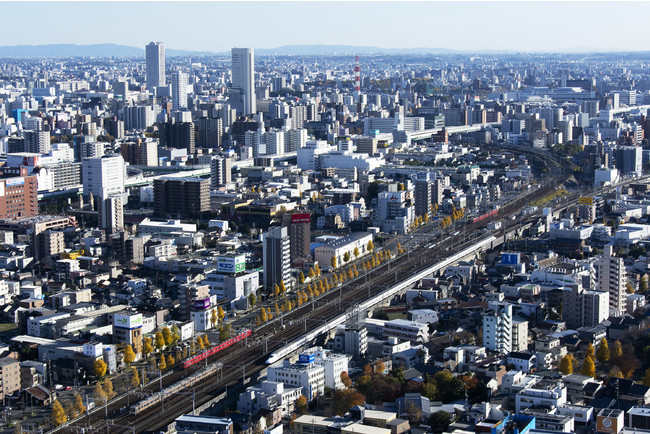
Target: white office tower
column 155, row 64
column 179, row 90
column 395, row 211
column 138, row 117
column 243, row 77
column 220, row 172
column 111, row 213
column 611, row 279
column 37, row 142
column 497, row 328
column 276, row 247
column 581, row 308
column 295, row 139
column 103, row 176
column 274, row 140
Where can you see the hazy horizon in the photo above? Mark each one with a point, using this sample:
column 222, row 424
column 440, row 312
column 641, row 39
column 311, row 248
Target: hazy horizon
column 215, row 27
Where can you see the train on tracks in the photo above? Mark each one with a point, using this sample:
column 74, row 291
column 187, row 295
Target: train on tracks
column 157, row 398
column 486, row 215
column 204, row 355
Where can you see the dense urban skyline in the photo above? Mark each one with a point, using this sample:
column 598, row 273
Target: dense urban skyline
column 449, row 25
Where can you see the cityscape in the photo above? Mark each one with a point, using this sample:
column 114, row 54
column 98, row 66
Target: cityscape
column 331, row 235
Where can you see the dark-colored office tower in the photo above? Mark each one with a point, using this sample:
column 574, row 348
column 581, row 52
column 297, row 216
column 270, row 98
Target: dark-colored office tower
column 177, row 135
column 181, row 197
column 239, row 128
column 210, row 132
column 299, row 225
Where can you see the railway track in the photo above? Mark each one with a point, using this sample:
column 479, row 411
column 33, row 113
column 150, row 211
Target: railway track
column 248, row 357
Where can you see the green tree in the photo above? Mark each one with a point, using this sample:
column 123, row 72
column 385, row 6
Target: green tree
column 159, row 341
column 603, row 353
column 566, row 365
column 224, row 332
column 629, row 288
column 129, row 355
column 439, row 421
column 58, row 414
column 252, row 299
column 345, row 399
column 588, row 368
column 301, row 404
column 646, row 378
column 79, row 406
column 135, row 378
column 346, row 257
column 167, row 336
column 99, row 366
column 643, row 283
column 617, row 351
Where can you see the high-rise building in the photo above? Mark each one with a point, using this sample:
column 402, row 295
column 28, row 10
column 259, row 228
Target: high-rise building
column 111, row 213
column 497, row 328
column 19, row 198
column 37, row 142
column 155, row 53
column 423, row 193
column 243, row 77
column 581, row 308
column 178, row 135
column 367, row 145
column 138, row 117
column 612, row 279
column 629, row 160
column 274, row 140
column 276, row 256
column 179, row 90
column 181, row 197
column 103, row 176
column 395, row 211
column 210, row 132
column 220, row 172
column 299, row 225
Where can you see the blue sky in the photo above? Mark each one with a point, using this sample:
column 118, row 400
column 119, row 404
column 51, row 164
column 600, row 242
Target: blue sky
column 218, row 26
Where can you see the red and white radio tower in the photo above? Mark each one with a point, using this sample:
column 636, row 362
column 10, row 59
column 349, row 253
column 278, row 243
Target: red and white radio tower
column 357, row 79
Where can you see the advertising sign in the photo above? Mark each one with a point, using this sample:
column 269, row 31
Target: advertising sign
column 231, row 264
column 586, row 201
column 202, row 304
column 128, row 321
column 607, row 424
column 300, row 218
column 510, row 258
column 14, row 181
column 306, row 358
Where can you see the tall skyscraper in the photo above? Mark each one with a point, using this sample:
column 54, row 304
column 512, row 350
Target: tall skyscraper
column 243, row 77
column 497, row 328
column 111, row 213
column 181, row 197
column 220, row 172
column 103, row 176
column 612, row 279
column 276, row 256
column 37, row 142
column 179, row 90
column 155, row 64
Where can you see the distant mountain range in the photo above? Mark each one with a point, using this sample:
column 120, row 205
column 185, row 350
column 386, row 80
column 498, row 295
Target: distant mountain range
column 107, row 50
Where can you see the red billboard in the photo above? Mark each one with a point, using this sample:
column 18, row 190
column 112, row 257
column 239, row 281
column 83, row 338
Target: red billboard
column 300, row 218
